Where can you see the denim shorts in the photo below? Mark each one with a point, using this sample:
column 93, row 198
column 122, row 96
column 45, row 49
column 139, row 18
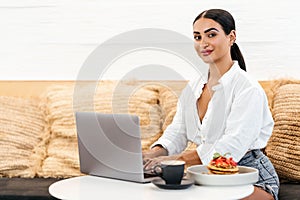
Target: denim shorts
column 268, row 178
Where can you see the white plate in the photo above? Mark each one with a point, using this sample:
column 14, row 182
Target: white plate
column 199, row 173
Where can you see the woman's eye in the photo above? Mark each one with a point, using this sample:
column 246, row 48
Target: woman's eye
column 211, row 35
column 197, row 37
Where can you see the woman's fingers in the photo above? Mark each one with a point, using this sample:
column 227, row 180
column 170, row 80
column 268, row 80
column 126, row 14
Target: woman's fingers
column 151, row 163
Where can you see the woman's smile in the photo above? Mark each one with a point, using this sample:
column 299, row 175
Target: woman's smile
column 206, row 52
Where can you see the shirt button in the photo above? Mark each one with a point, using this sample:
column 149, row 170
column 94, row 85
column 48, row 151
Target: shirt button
column 202, row 138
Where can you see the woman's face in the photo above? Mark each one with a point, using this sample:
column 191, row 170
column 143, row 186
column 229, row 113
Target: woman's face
column 211, row 42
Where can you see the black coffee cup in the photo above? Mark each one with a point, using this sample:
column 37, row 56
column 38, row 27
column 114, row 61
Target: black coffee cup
column 171, row 171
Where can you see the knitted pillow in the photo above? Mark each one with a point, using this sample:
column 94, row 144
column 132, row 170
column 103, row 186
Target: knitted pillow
column 283, row 147
column 140, row 98
column 23, row 134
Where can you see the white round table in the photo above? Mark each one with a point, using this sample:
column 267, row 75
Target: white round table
column 91, row 187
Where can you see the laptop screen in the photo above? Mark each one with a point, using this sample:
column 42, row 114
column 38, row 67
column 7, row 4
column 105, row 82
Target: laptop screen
column 110, row 145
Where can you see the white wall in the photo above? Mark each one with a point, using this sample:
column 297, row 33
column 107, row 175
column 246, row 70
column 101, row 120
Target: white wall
column 51, row 39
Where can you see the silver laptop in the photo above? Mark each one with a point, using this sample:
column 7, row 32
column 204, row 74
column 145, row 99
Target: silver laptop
column 110, row 146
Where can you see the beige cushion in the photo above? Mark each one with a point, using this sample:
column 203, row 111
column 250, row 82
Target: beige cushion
column 23, row 134
column 140, row 98
column 283, row 147
column 62, row 158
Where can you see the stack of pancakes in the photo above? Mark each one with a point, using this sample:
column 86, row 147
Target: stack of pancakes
column 222, row 165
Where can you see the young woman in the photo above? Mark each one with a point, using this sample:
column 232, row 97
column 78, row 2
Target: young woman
column 225, row 111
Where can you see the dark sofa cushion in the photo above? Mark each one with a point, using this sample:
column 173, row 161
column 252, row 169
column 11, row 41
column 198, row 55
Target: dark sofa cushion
column 289, row 191
column 26, row 188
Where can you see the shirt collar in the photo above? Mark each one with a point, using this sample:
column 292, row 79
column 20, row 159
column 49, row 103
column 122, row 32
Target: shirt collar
column 227, row 77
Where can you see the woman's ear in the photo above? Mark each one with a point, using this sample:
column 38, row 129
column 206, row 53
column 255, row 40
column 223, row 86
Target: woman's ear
column 232, row 36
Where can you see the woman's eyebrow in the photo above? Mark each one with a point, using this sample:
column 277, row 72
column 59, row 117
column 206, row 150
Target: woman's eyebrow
column 210, row 29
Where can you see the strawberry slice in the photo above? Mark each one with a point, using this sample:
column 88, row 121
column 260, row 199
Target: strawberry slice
column 222, row 161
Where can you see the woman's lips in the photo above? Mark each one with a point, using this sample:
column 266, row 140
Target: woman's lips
column 206, row 52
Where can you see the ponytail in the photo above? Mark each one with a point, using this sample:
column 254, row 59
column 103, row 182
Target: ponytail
column 236, row 54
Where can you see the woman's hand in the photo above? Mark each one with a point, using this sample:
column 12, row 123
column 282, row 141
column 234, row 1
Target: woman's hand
column 150, row 163
column 152, row 156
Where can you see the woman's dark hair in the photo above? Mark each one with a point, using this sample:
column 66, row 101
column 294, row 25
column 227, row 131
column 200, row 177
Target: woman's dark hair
column 227, row 22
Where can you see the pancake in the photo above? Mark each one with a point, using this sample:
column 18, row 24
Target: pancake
column 219, row 170
column 222, row 165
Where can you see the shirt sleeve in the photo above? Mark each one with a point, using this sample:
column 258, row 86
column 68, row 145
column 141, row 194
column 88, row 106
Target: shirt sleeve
column 243, row 127
column 174, row 138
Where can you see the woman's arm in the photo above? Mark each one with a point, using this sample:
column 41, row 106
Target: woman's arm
column 174, row 138
column 155, row 151
column 190, row 157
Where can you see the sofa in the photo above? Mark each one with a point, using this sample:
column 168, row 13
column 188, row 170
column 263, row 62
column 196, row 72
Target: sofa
column 38, row 141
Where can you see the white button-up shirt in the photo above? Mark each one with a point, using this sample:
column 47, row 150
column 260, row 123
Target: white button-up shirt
column 237, row 119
